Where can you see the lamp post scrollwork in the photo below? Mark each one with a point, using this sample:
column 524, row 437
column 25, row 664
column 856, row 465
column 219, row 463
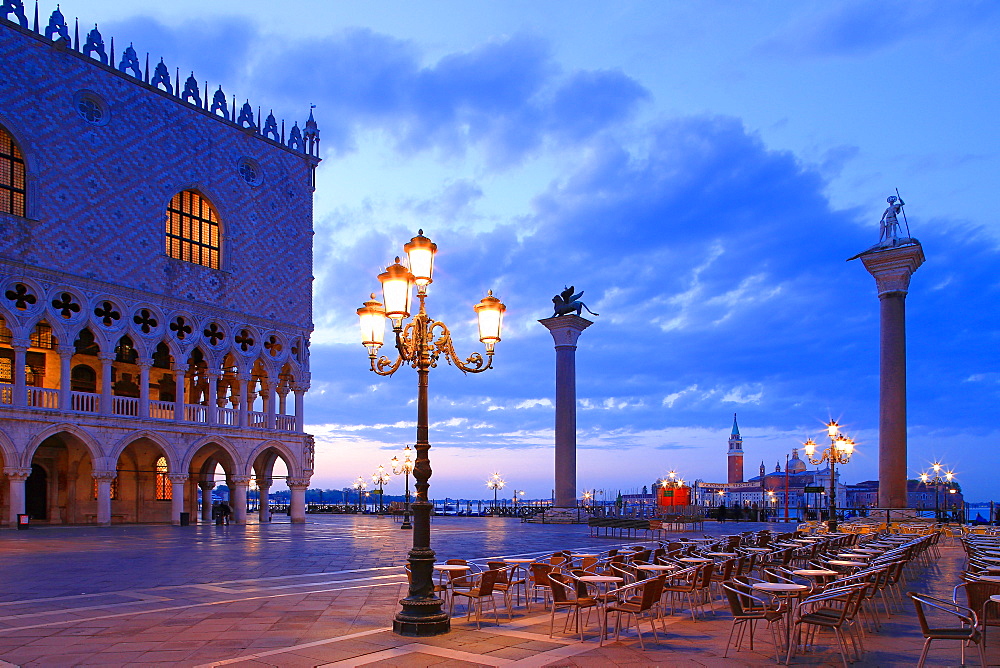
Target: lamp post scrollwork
column 421, row 343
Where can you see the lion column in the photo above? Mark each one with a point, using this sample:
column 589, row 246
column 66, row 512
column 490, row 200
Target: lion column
column 565, row 330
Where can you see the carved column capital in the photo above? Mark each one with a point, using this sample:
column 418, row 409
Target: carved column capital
column 206, row 485
column 106, row 356
column 106, row 476
column 20, row 345
column 177, row 477
column 892, row 267
column 297, row 483
column 566, row 329
column 242, row 480
column 264, row 483
column 16, row 473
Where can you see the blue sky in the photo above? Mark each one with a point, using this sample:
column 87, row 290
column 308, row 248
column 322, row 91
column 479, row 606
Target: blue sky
column 701, row 169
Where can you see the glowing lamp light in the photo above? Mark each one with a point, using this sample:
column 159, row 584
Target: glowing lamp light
column 810, row 447
column 372, row 316
column 420, row 253
column 833, row 428
column 490, row 312
column 397, row 284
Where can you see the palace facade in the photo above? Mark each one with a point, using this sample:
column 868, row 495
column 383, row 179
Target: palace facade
column 155, row 285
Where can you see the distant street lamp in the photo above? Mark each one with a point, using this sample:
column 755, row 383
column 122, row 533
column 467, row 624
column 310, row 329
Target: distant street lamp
column 381, row 478
column 937, row 476
column 671, row 483
column 421, row 344
column 405, row 467
column 838, row 452
column 360, row 486
column 496, row 483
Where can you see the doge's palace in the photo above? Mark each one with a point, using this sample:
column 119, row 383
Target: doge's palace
column 155, row 284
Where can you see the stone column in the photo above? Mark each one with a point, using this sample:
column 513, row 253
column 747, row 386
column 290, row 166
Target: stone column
column 892, row 268
column 144, row 367
column 297, row 511
column 300, row 423
column 20, row 398
column 269, row 395
column 206, row 500
column 106, row 392
column 212, row 400
column 15, row 494
column 238, row 497
column 104, row 480
column 565, row 330
column 179, row 373
column 177, row 481
column 244, row 407
column 263, row 509
column 65, row 378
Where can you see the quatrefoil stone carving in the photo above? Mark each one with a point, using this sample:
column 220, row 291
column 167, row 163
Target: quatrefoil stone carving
column 145, row 320
column 273, row 346
column 244, row 340
column 21, row 296
column 65, row 305
column 107, row 313
column 180, row 328
column 214, row 334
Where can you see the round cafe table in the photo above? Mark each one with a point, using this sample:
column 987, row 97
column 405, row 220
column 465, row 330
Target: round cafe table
column 657, row 568
column 694, row 560
column 819, row 575
column 757, row 549
column 724, row 555
column 789, row 592
column 847, row 564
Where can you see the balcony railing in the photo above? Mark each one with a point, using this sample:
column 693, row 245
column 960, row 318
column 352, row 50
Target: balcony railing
column 89, row 402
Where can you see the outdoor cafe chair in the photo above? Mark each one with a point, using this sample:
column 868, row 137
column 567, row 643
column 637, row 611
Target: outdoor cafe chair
column 834, row 609
column 684, row 583
column 748, row 609
column 566, row 595
column 637, row 599
column 968, row 630
column 977, row 596
column 483, row 589
column 538, row 579
column 508, row 582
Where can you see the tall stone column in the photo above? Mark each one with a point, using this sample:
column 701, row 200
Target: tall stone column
column 565, row 330
column 145, row 365
column 892, row 268
column 263, row 506
column 177, row 481
column 15, row 495
column 244, row 405
column 238, row 497
column 104, row 480
column 180, row 373
column 206, row 500
column 20, row 399
column 297, row 509
column 107, row 396
column 212, row 401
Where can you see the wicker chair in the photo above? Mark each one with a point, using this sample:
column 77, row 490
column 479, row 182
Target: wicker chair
column 566, row 596
column 636, row 599
column 748, row 609
column 967, row 632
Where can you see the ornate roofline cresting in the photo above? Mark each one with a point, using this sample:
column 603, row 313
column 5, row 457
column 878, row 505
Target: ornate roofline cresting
column 303, row 141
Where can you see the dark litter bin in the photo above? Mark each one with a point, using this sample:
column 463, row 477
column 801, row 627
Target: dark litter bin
column 23, row 522
column 185, row 519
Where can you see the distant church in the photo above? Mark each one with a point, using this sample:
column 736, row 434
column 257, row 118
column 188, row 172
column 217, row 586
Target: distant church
column 155, row 285
column 767, row 490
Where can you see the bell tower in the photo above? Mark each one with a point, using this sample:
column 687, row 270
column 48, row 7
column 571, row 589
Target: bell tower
column 735, row 454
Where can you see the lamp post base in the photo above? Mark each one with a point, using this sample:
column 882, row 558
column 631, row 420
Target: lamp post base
column 420, row 626
column 406, row 523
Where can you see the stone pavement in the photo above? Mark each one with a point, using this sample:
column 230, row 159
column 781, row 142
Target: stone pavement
column 324, row 593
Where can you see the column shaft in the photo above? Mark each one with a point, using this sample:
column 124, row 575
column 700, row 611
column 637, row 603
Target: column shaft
column 892, row 401
column 65, row 378
column 565, row 450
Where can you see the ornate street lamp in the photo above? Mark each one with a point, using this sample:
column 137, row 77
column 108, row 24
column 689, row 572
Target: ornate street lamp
column 420, row 343
column 360, row 486
column 381, row 478
column 838, row 452
column 496, row 483
column 405, row 467
column 937, row 475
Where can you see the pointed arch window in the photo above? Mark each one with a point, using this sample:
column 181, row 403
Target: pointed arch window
column 12, row 189
column 163, row 488
column 193, row 229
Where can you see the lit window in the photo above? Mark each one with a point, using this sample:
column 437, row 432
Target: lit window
column 163, row 489
column 11, row 176
column 193, row 229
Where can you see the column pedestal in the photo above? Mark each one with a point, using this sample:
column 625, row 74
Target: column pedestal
column 238, row 498
column 297, row 507
column 206, row 501
column 565, row 330
column 177, row 481
column 15, row 495
column 892, row 268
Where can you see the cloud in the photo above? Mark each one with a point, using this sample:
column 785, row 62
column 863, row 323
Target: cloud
column 859, row 28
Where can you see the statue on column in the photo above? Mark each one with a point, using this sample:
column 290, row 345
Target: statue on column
column 889, row 230
column 566, row 302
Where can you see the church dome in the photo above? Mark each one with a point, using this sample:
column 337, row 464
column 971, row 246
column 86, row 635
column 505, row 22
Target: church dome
column 796, row 465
